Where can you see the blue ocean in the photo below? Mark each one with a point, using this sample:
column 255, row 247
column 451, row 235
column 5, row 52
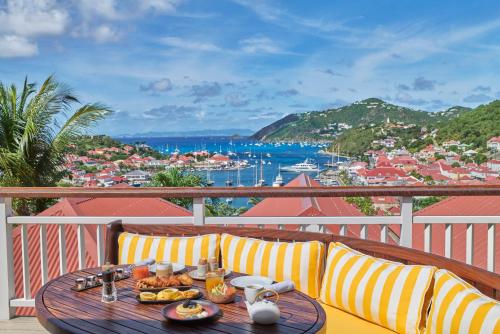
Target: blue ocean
column 273, row 155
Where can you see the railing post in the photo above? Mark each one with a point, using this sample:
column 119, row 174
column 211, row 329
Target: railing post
column 490, row 262
column 7, row 291
column 406, row 237
column 199, row 211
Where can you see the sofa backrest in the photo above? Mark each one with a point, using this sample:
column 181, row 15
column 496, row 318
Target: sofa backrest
column 485, row 281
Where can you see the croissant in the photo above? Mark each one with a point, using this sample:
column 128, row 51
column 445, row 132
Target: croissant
column 164, row 282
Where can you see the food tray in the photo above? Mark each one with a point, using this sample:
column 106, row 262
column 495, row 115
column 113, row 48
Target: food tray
column 200, row 295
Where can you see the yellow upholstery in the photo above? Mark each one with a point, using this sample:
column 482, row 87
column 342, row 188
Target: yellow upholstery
column 387, row 293
column 300, row 262
column 133, row 248
column 340, row 322
column 458, row 307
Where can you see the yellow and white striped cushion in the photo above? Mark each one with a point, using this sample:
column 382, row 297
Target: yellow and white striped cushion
column 387, row 293
column 300, row 262
column 133, row 248
column 458, row 307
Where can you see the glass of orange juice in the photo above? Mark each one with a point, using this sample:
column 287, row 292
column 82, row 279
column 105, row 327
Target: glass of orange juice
column 213, row 279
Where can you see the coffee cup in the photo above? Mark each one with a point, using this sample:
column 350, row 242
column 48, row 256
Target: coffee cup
column 251, row 292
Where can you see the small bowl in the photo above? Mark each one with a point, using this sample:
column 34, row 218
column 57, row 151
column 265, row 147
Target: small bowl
column 226, row 299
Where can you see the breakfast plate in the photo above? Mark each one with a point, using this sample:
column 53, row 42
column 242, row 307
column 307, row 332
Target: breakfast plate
column 242, row 281
column 181, row 296
column 206, row 310
column 194, row 274
column 177, row 267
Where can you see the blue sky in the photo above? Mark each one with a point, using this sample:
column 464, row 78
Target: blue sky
column 187, row 65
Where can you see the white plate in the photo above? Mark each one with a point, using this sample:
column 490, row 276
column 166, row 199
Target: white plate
column 194, row 274
column 175, row 266
column 242, row 281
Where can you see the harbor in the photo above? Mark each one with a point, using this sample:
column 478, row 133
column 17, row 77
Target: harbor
column 246, row 162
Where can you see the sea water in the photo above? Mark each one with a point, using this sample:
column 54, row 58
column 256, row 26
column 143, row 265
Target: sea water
column 273, row 155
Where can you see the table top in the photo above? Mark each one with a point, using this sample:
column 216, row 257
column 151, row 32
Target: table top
column 62, row 310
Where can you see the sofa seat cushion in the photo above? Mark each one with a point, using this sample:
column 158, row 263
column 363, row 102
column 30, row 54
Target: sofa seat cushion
column 300, row 262
column 133, row 248
column 458, row 307
column 341, row 322
column 390, row 294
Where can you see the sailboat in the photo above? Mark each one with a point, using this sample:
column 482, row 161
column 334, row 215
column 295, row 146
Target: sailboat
column 278, row 182
column 209, row 181
column 238, row 178
column 333, row 164
column 261, row 181
column 229, row 181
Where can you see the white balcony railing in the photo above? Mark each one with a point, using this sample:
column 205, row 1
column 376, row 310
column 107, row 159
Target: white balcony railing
column 9, row 301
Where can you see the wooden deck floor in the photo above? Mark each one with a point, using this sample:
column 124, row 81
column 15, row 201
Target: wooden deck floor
column 21, row 325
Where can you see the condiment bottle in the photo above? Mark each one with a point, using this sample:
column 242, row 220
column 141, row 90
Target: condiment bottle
column 109, row 294
column 106, row 267
column 202, row 267
column 213, row 265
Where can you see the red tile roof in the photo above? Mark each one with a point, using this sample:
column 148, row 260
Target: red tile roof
column 79, row 207
column 308, row 207
column 461, row 206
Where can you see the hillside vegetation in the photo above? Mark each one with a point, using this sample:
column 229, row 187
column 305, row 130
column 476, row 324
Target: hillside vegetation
column 322, row 125
column 475, row 127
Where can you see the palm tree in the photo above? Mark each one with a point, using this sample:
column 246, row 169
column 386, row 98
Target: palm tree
column 175, row 177
column 36, row 127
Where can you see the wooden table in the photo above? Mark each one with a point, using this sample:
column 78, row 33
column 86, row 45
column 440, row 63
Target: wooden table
column 61, row 310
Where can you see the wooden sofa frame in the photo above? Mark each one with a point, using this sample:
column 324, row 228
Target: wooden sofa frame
column 485, row 281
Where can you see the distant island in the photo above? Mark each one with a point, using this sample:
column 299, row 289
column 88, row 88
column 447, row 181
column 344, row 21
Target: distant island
column 194, row 133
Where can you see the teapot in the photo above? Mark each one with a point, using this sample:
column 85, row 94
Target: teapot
column 263, row 311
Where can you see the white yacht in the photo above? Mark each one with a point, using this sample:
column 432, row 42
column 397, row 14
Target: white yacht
column 278, row 182
column 305, row 166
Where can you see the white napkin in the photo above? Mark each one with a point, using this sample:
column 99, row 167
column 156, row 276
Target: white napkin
column 145, row 262
column 281, row 287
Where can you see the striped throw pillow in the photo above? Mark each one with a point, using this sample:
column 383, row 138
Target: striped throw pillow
column 458, row 307
column 133, row 248
column 300, row 262
column 387, row 293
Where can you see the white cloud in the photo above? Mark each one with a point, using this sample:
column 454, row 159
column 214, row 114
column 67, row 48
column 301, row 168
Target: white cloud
column 181, row 43
column 413, row 45
column 165, row 6
column 106, row 33
column 102, row 33
column 118, row 10
column 16, row 46
column 259, row 45
column 33, row 18
column 103, row 8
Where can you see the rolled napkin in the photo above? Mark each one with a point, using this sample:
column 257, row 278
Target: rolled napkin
column 281, row 287
column 145, row 262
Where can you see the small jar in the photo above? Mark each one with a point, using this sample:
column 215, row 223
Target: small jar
column 119, row 274
column 213, row 265
column 80, row 283
column 99, row 278
column 91, row 281
column 164, row 269
column 202, row 267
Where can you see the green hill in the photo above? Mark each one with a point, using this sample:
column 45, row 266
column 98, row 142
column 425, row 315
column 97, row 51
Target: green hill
column 474, row 127
column 324, row 125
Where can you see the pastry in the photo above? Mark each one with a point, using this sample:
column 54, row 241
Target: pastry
column 191, row 293
column 145, row 296
column 185, row 279
column 164, row 282
column 188, row 309
column 168, row 294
